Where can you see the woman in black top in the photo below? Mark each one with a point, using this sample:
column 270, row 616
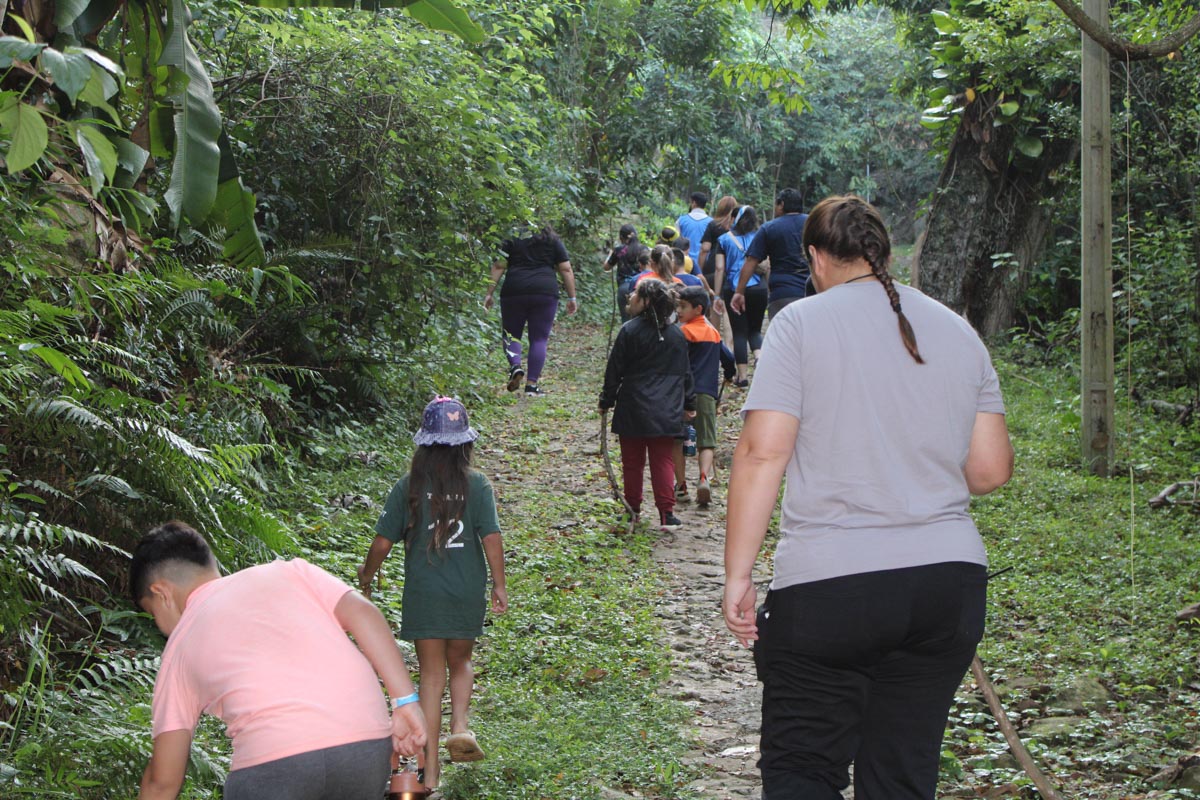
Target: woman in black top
column 530, row 270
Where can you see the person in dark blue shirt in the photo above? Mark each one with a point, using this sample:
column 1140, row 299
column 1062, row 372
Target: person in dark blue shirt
column 781, row 241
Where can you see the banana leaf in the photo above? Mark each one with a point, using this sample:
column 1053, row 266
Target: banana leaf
column 194, row 171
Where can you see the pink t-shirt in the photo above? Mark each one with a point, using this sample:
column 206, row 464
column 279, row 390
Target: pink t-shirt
column 262, row 650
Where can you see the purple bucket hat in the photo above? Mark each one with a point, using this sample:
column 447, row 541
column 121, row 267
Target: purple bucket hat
column 445, row 422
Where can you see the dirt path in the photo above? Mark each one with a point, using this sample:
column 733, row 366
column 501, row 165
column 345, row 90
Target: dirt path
column 711, row 673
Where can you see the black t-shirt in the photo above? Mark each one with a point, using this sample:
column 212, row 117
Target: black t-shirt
column 532, row 265
column 624, row 258
column 782, row 241
column 712, row 235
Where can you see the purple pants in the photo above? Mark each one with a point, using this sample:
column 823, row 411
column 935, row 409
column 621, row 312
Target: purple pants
column 537, row 311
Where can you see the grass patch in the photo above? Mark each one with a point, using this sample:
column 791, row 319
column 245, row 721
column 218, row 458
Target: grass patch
column 1094, row 580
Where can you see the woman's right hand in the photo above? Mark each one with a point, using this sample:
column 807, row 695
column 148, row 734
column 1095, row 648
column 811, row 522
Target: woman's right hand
column 488, row 301
column 739, row 606
column 719, row 306
column 737, row 303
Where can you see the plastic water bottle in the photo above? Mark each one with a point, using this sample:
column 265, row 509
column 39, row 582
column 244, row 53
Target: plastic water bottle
column 689, row 440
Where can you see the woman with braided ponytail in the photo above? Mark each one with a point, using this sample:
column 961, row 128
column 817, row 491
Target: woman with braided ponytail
column 877, row 601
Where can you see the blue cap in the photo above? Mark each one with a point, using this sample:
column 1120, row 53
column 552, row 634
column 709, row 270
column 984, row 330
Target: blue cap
column 445, row 422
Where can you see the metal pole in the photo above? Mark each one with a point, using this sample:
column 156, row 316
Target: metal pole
column 1097, row 389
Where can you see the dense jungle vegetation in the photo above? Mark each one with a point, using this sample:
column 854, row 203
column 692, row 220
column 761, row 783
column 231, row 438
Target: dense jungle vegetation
column 239, row 244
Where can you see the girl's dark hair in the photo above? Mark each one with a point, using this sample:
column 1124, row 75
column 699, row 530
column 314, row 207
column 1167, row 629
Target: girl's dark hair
column 658, row 302
column 745, row 221
column 664, row 262
column 441, row 473
column 628, row 233
column 641, row 254
column 848, row 228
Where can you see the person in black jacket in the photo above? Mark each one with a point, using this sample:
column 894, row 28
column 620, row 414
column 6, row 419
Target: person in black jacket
column 650, row 383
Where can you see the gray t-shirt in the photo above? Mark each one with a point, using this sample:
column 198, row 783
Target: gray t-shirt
column 876, row 478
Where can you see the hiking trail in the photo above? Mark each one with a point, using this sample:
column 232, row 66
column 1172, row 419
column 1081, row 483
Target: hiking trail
column 711, row 673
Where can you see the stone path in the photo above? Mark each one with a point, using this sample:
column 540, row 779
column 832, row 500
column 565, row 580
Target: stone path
column 713, row 674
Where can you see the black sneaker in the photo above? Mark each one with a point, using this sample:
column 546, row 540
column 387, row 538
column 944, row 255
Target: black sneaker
column 532, row 390
column 742, row 384
column 514, row 378
column 669, row 522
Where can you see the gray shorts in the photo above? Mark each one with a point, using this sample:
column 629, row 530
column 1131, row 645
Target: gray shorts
column 355, row 771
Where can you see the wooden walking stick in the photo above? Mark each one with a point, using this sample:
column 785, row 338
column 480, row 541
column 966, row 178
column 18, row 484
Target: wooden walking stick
column 608, row 468
column 1019, row 751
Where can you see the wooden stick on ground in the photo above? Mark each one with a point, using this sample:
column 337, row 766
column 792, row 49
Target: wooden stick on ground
column 1044, row 787
column 608, row 467
column 1163, row 498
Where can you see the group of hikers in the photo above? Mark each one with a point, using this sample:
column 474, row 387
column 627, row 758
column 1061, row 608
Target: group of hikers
column 881, row 407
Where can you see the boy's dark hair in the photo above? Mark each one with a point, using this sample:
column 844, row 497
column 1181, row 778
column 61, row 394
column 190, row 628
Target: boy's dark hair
column 677, row 254
column 700, row 199
column 171, row 541
column 790, row 200
column 696, row 296
column 683, row 243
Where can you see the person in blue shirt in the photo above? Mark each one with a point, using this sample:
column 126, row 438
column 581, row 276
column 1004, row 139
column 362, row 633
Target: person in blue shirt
column 780, row 241
column 731, row 266
column 693, row 224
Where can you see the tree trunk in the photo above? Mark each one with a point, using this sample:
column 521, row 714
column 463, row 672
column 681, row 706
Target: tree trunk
column 987, row 224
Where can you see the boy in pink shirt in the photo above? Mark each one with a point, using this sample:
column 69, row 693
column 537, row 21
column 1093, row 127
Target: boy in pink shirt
column 265, row 649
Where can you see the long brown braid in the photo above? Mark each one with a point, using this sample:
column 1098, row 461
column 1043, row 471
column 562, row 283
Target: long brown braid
column 848, row 227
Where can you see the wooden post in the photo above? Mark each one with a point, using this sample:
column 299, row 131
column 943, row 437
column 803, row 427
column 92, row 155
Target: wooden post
column 1096, row 318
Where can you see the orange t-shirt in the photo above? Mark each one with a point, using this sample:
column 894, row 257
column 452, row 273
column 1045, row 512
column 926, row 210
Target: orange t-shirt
column 652, row 275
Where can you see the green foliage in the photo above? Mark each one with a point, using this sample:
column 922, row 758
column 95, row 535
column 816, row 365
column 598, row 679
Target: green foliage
column 1158, row 328
column 1093, row 583
column 1020, row 59
column 861, row 135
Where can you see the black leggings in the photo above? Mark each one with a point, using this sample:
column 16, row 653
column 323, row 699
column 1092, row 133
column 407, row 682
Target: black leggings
column 747, row 328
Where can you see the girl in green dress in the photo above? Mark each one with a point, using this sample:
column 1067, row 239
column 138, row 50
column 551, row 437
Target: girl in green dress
column 445, row 513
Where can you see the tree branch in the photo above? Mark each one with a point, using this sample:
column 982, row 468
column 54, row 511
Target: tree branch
column 1019, row 751
column 1119, row 48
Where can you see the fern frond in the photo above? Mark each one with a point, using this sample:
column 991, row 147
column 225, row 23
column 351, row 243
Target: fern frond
column 108, row 483
column 117, row 671
column 188, row 304
column 68, row 410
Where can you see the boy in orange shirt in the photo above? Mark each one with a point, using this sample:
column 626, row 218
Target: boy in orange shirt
column 704, row 358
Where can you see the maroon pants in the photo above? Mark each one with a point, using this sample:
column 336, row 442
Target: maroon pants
column 661, row 449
